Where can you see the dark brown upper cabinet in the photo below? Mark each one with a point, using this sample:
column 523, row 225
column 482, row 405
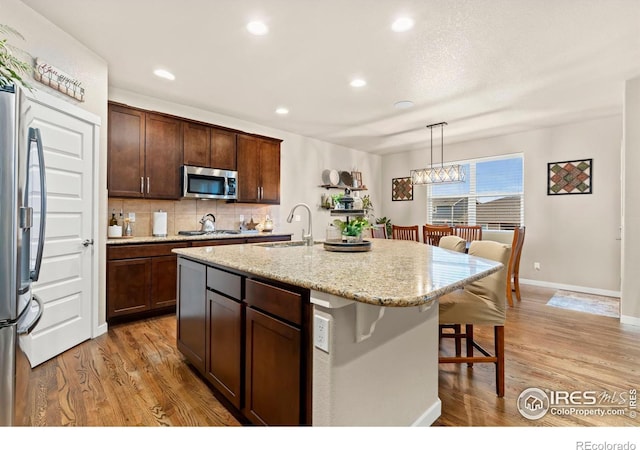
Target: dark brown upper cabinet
column 144, row 154
column 163, row 157
column 258, row 170
column 206, row 146
column 125, row 161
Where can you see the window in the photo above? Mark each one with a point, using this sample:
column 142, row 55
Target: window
column 492, row 196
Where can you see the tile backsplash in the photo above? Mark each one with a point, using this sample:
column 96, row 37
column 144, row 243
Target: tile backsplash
column 186, row 214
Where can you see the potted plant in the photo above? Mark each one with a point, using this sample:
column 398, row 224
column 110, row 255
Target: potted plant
column 12, row 68
column 352, row 230
column 386, row 222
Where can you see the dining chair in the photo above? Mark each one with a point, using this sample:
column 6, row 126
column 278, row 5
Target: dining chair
column 452, row 242
column 513, row 281
column 379, row 231
column 482, row 302
column 468, row 232
column 408, row 233
column 431, row 234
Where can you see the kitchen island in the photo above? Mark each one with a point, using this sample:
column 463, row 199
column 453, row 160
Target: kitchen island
column 335, row 338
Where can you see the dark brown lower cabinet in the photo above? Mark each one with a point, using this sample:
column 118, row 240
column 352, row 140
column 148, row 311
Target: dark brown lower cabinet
column 128, row 282
column 224, row 345
column 272, row 370
column 141, row 279
column 250, row 339
column 163, row 288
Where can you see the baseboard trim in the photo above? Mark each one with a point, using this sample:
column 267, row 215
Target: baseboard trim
column 570, row 287
column 102, row 329
column 427, row 418
column 630, row 320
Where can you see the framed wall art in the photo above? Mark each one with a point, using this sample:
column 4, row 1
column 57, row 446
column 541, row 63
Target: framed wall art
column 401, row 189
column 570, row 177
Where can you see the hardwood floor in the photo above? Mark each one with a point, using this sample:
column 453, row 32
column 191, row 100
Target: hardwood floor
column 547, row 348
column 134, row 375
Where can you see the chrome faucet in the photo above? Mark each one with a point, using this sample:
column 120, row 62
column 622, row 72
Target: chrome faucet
column 307, row 238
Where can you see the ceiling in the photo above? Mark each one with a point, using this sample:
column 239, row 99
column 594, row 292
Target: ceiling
column 487, row 67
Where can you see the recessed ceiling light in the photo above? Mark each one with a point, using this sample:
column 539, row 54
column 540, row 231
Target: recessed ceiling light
column 403, row 104
column 282, row 111
column 164, row 74
column 358, row 82
column 258, row 28
column 402, row 24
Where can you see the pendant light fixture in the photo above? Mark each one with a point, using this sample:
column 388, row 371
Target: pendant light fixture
column 452, row 173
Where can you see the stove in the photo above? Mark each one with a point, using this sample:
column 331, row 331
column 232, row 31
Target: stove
column 200, row 233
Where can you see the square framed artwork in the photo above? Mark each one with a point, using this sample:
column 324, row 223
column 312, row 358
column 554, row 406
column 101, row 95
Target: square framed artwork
column 401, row 189
column 570, row 177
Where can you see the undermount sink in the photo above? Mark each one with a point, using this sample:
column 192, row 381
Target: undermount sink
column 286, row 244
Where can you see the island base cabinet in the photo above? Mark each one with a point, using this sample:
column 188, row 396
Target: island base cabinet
column 224, row 338
column 192, row 311
column 272, row 371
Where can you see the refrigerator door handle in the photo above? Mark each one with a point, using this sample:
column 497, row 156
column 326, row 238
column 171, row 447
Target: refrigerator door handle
column 34, row 137
column 32, row 317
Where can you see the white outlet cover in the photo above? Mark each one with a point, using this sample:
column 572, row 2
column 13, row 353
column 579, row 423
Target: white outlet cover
column 321, row 332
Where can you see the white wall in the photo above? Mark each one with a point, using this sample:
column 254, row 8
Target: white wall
column 630, row 299
column 45, row 40
column 302, row 162
column 574, row 237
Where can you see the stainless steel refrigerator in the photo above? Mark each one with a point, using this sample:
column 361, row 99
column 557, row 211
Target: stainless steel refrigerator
column 23, row 206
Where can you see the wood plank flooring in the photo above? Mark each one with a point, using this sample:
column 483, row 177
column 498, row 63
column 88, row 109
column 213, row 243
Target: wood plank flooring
column 547, row 348
column 135, row 376
column 132, row 376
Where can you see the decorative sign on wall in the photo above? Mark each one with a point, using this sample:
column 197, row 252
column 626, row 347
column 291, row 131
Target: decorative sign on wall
column 401, row 189
column 570, row 177
column 58, row 80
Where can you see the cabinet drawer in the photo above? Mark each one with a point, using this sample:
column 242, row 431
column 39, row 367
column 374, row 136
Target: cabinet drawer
column 275, row 300
column 224, row 282
column 143, row 250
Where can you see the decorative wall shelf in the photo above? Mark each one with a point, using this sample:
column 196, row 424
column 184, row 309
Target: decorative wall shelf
column 343, row 186
column 348, row 212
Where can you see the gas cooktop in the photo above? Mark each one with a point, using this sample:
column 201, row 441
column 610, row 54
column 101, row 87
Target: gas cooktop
column 200, row 233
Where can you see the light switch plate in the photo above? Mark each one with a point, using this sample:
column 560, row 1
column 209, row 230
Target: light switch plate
column 321, row 332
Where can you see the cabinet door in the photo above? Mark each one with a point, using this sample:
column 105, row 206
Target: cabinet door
column 164, row 270
column 197, row 143
column 224, row 337
column 248, row 173
column 223, row 149
column 272, row 371
column 128, row 282
column 163, row 157
column 192, row 311
column 269, row 171
column 125, row 148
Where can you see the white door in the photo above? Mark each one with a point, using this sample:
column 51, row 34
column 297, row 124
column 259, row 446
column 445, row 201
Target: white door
column 68, row 272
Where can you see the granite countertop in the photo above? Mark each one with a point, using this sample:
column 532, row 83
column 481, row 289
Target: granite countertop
column 179, row 237
column 393, row 273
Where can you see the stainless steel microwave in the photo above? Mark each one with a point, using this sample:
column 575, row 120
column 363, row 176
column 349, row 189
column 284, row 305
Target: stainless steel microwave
column 203, row 182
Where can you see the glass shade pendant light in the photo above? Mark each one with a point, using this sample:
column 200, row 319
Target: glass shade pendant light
column 452, row 173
